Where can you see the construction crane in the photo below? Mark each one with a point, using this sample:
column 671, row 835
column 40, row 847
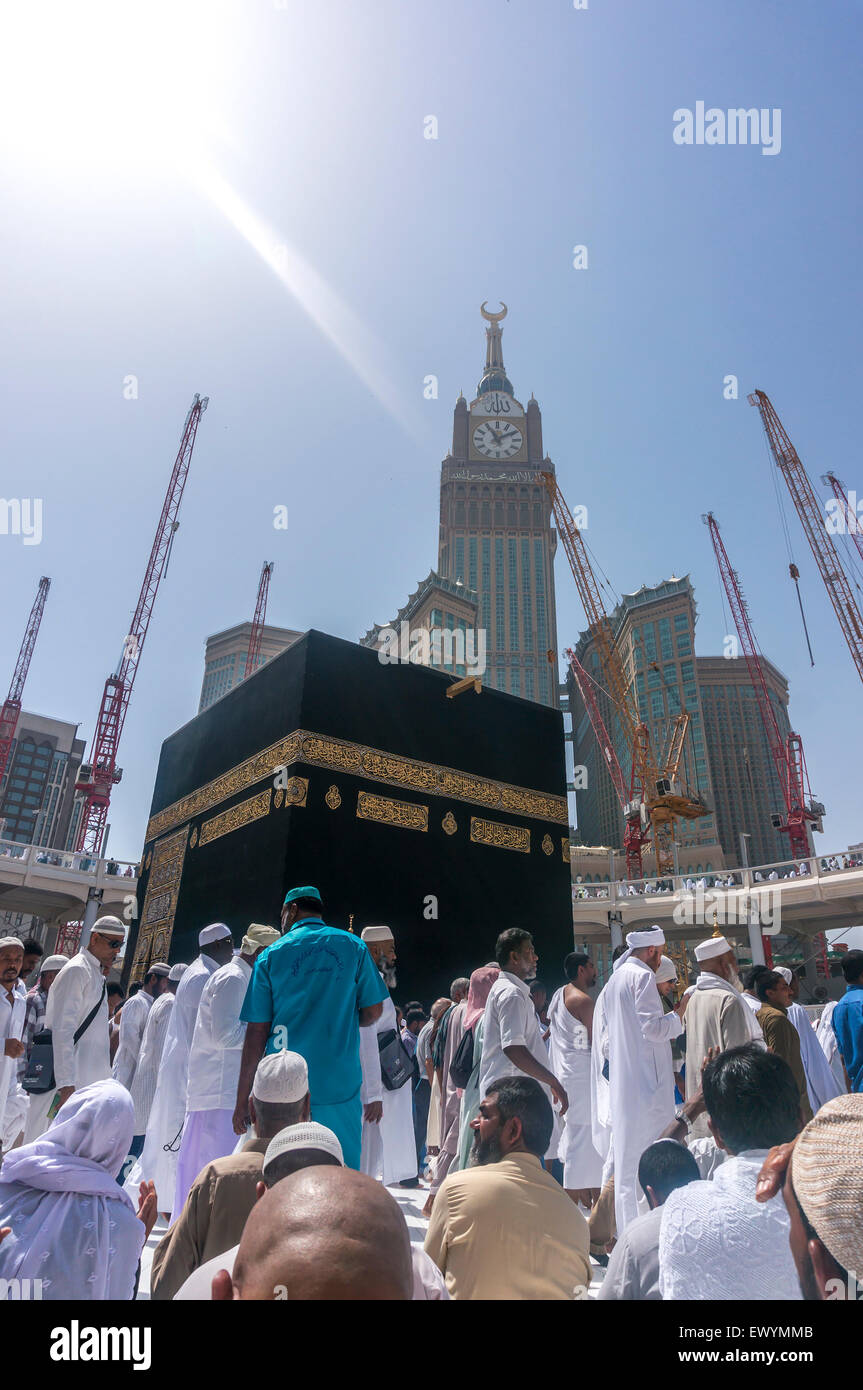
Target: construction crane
column 634, row 821
column 811, row 514
column 850, row 518
column 653, row 783
column 97, row 777
column 254, row 653
column 12, row 703
column 801, row 810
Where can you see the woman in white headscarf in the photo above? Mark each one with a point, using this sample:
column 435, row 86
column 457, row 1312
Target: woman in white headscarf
column 72, row 1225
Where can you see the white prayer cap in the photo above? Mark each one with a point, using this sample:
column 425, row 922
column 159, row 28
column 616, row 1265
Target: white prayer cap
column 376, row 934
column 109, row 926
column 258, row 937
column 216, row 931
column 713, row 946
column 176, row 971
column 667, row 971
column 787, row 975
column 7, row 941
column 52, row 963
column 306, row 1135
column 159, row 968
column 281, row 1078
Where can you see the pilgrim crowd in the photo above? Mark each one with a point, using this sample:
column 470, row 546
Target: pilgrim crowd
column 279, row 1119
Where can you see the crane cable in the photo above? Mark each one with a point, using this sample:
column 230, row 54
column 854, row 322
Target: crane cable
column 792, row 567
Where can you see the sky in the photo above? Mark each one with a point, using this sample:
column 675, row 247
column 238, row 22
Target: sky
column 240, row 199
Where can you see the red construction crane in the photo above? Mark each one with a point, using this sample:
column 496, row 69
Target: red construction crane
column 653, row 783
column 635, row 828
column 96, row 778
column 787, row 753
column 12, row 703
column 811, row 514
column 852, row 523
column 254, row 653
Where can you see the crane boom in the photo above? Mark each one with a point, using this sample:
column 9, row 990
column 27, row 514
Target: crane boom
column 96, row 778
column 254, row 652
column 662, row 798
column 633, row 835
column 12, row 704
column 849, row 513
column 811, row 515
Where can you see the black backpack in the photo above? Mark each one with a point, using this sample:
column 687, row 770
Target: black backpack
column 461, row 1066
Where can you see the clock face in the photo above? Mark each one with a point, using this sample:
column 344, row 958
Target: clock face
column 497, row 439
column 498, row 403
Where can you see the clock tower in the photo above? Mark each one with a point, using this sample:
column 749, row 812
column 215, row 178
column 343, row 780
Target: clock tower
column 496, row 535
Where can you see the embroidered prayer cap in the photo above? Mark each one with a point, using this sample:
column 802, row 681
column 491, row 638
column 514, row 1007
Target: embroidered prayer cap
column 376, row 934
column 667, row 971
column 787, row 975
column 110, row 926
column 216, row 931
column 828, row 1178
column 159, row 968
column 307, row 892
column 282, row 1078
column 306, row 1135
column 7, row 941
column 712, row 947
column 258, row 938
column 176, row 971
column 53, row 963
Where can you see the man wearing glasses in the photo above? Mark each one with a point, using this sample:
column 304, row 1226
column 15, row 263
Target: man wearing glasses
column 78, row 998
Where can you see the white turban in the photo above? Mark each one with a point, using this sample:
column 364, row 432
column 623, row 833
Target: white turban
column 713, row 946
column 638, row 941
column 376, row 934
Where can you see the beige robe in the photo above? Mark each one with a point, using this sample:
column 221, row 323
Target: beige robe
column 713, row 1018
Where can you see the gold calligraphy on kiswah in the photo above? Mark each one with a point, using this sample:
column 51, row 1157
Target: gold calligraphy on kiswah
column 338, row 755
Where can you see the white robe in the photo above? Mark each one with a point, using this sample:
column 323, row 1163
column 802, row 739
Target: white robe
column 829, row 1045
column 71, row 997
column 133, row 1021
column 389, row 1149
column 641, row 1078
column 820, row 1081
column 569, row 1060
column 143, row 1087
column 158, row 1161
column 13, row 1100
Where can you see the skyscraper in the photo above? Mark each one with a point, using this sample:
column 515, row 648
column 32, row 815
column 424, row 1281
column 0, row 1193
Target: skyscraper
column 496, row 536
column 654, row 631
column 225, row 657
column 38, row 790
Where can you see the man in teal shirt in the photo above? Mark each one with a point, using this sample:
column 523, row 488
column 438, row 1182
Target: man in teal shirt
column 312, row 991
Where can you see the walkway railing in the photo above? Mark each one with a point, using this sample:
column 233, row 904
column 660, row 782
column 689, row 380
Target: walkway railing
column 815, row 866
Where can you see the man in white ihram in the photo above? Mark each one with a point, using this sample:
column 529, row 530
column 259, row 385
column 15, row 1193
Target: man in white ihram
column 820, row 1080
column 717, row 1015
column 78, row 998
column 133, row 1021
column 158, row 1161
column 389, row 1148
column 214, row 1064
column 640, row 1075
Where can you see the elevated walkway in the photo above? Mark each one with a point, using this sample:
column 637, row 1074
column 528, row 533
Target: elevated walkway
column 55, row 885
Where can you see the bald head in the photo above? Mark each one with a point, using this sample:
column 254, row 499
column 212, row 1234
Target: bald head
column 325, row 1233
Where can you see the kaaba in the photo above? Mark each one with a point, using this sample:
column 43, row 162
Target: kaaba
column 445, row 818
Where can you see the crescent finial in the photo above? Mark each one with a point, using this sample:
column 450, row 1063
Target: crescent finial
column 493, row 318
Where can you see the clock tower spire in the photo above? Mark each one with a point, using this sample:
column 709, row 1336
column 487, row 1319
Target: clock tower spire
column 494, row 378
